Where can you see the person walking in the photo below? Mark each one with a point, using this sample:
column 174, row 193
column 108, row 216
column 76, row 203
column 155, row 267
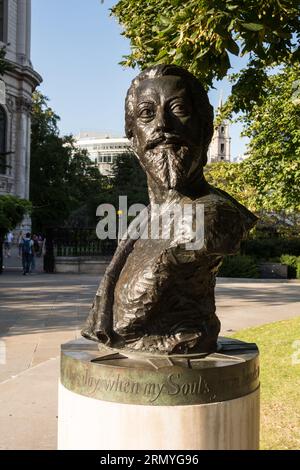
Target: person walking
column 27, row 253
column 7, row 244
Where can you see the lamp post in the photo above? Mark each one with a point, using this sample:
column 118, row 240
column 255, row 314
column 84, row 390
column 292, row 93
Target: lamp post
column 120, row 234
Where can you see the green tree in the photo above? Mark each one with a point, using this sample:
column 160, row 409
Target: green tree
column 87, row 187
column 12, row 212
column 63, row 179
column 238, row 181
column 200, row 35
column 273, row 167
column 129, row 179
column 48, row 169
column 230, row 177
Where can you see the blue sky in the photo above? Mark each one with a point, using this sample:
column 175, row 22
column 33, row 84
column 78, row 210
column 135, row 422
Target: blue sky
column 76, row 47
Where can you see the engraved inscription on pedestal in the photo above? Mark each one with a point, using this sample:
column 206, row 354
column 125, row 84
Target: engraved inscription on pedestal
column 230, row 373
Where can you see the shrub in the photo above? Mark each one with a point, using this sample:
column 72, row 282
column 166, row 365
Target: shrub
column 270, row 247
column 292, row 262
column 298, row 268
column 239, row 266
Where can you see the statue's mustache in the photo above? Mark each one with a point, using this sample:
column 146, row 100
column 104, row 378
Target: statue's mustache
column 164, row 139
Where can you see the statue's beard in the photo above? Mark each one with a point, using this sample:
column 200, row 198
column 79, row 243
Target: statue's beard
column 169, row 166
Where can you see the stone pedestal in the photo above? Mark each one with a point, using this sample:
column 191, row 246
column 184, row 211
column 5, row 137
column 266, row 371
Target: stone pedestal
column 110, row 401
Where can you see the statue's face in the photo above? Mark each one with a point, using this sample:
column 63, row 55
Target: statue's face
column 167, row 133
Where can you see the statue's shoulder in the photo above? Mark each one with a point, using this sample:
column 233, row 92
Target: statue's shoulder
column 220, row 205
column 226, row 221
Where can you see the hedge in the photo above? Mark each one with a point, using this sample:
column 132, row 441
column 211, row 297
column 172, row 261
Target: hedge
column 265, row 249
column 293, row 263
column 239, row 266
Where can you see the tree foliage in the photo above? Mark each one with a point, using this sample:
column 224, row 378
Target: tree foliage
column 230, row 177
column 273, row 166
column 200, row 35
column 129, row 180
column 62, row 177
column 12, row 212
column 237, row 180
column 269, row 179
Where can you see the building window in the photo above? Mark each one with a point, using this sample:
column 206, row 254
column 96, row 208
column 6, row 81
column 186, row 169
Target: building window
column 3, row 162
column 222, row 129
column 222, row 148
column 2, row 20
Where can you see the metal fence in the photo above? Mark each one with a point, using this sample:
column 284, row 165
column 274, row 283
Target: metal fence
column 81, row 242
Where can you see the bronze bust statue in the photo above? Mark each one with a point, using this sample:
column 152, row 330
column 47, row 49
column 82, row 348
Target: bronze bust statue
column 157, row 296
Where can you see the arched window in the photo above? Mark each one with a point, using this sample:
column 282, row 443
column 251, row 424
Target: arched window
column 2, row 141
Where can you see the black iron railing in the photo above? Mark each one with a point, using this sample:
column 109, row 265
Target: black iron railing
column 81, row 242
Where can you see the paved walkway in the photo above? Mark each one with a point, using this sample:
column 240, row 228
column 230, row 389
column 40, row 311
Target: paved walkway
column 39, row 312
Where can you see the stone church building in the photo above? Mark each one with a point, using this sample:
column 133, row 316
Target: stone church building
column 220, row 146
column 16, row 87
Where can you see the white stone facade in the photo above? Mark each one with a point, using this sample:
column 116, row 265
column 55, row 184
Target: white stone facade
column 15, row 107
column 103, row 150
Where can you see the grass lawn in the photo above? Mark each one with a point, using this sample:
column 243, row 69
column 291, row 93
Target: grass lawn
column 280, row 382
